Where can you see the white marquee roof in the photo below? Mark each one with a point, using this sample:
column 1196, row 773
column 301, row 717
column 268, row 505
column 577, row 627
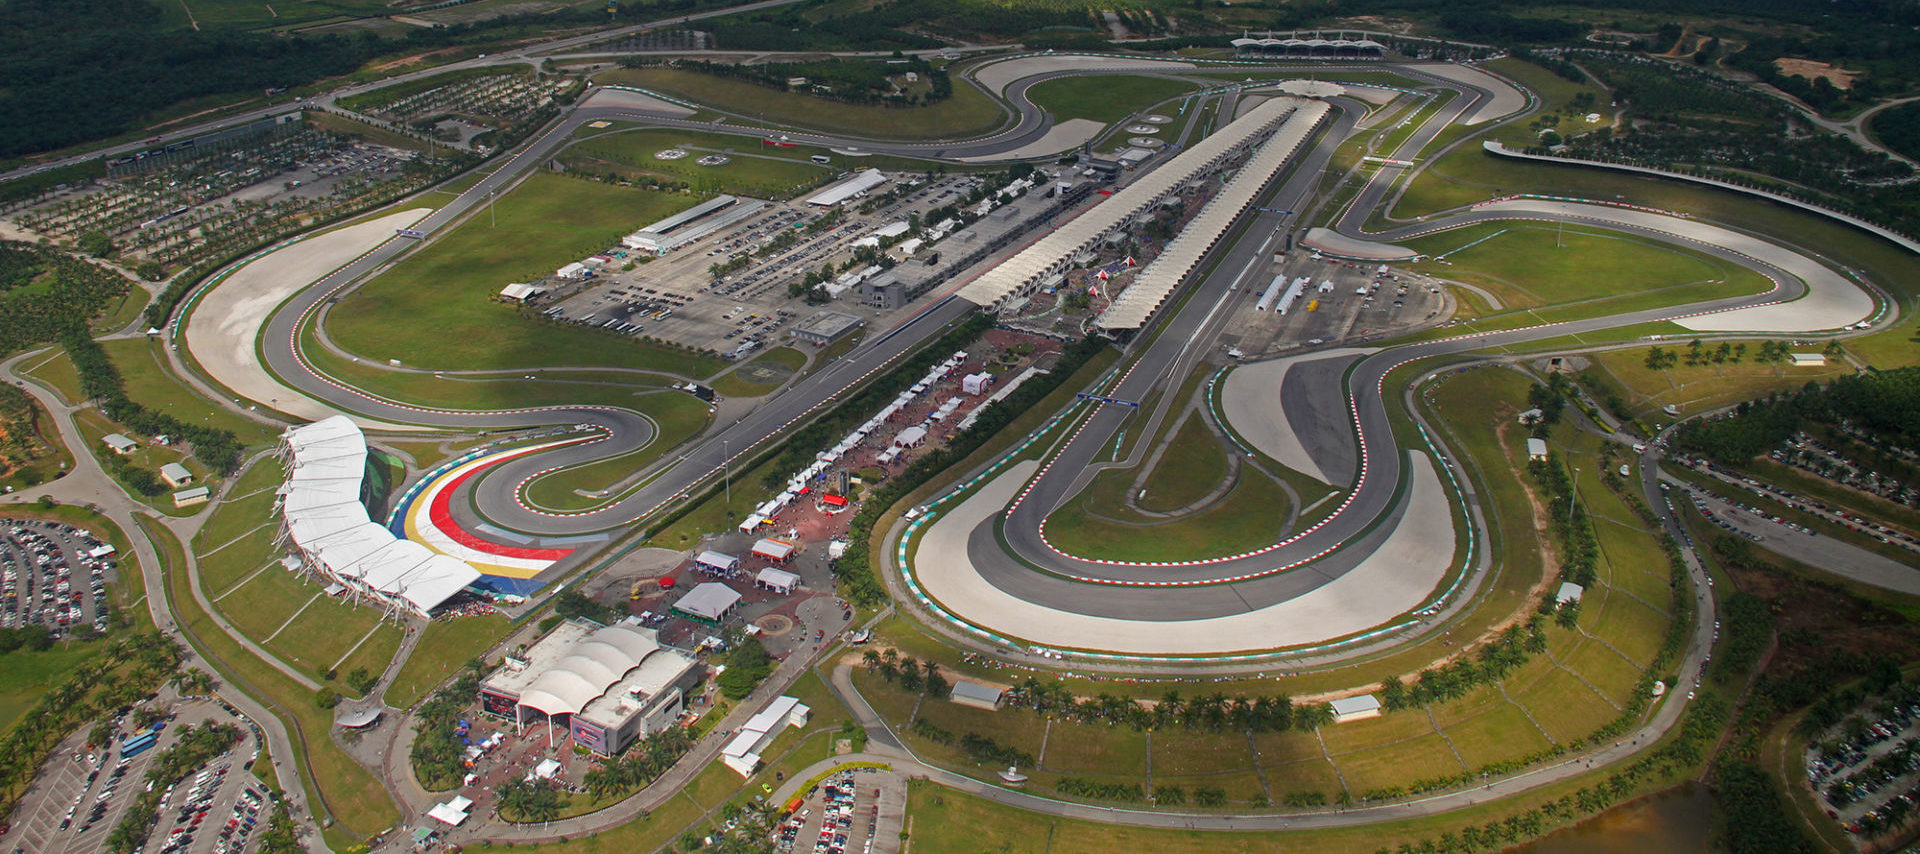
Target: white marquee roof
column 321, row 504
column 594, row 664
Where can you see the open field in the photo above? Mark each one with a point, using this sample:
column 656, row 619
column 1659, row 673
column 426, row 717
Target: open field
column 1190, row 467
column 150, row 383
column 1702, row 387
column 1557, row 94
column 1500, row 734
column 55, row 371
column 1247, row 517
column 445, row 645
column 1398, row 763
column 95, row 426
column 1530, row 265
column 434, row 309
column 756, row 170
column 763, row 374
column 1105, row 98
column 969, row 112
column 25, row 675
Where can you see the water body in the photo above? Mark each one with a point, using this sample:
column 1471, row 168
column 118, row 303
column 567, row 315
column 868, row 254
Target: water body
column 1676, row 821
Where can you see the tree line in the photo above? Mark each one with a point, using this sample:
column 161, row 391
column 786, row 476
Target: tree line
column 130, row 668
column 1884, row 406
column 100, row 381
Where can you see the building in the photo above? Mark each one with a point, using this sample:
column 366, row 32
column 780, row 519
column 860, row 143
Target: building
column 884, row 292
column 1536, row 449
column 607, row 685
column 774, row 550
column 1355, row 708
column 1807, row 360
column 120, row 444
column 176, row 475
column 777, row 580
column 715, row 563
column 912, row 437
column 852, row 188
column 522, row 292
column 712, row 603
column 827, row 327
column 1569, row 593
column 976, row 383
column 692, row 224
column 742, row 754
column 978, row 696
column 575, row 270
column 323, row 507
column 190, row 497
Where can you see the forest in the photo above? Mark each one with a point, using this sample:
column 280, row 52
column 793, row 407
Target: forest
column 1884, row 405
column 43, row 291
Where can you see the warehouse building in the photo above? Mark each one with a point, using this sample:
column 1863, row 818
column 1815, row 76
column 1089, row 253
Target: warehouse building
column 852, row 188
column 827, row 327
column 689, row 225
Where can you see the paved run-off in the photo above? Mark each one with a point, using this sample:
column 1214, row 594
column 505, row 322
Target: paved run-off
column 1396, row 578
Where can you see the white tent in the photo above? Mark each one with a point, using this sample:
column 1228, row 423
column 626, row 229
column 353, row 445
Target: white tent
column 777, row 580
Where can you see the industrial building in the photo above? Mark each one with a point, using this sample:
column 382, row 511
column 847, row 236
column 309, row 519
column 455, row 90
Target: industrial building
column 826, row 327
column 852, row 188
column 607, row 685
column 687, row 226
column 742, row 754
column 324, row 511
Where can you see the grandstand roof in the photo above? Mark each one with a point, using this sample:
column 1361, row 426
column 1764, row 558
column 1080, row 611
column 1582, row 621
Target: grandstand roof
column 1159, row 279
column 321, row 505
column 1048, row 254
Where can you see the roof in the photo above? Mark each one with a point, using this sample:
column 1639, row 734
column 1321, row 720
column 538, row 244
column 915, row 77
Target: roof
column 590, row 666
column 828, row 324
column 911, row 435
column 717, row 560
column 322, row 509
column 847, row 189
column 175, row 472
column 116, row 440
column 521, row 291
column 708, row 601
column 640, row 689
column 1043, row 256
column 777, row 578
column 965, row 690
column 357, row 718
column 774, row 715
column 1356, row 705
column 1536, row 447
column 1569, row 592
column 776, row 549
column 1181, row 256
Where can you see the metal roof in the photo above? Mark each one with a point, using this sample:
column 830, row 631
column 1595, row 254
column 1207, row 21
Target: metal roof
column 1158, row 280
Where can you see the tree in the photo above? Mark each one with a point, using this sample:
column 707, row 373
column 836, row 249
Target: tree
column 95, row 243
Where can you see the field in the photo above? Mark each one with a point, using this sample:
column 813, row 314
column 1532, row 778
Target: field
column 969, row 112
column 764, row 374
column 150, row 383
column 1250, row 515
column 1191, row 466
column 756, row 170
column 1528, row 266
column 1557, row 94
column 442, row 649
column 434, row 309
column 95, row 426
column 1104, row 98
column 25, row 675
column 1698, row 388
column 55, row 371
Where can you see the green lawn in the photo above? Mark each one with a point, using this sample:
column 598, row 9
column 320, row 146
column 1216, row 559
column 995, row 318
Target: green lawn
column 1251, row 515
column 755, row 170
column 969, row 112
column 1528, row 266
column 1192, row 465
column 1398, row 764
column 25, row 675
column 95, row 426
column 434, row 310
column 1498, row 735
column 56, row 372
column 1105, row 98
column 762, row 375
column 1565, row 707
column 442, row 649
column 1557, row 94
column 251, row 506
column 150, row 383
column 1702, row 387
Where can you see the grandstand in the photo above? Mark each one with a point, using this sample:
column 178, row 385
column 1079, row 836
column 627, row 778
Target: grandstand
column 324, row 513
column 1053, row 254
column 1183, row 253
column 607, row 685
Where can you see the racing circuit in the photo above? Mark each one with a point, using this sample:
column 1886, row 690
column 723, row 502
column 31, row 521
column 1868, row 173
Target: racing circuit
column 1399, row 543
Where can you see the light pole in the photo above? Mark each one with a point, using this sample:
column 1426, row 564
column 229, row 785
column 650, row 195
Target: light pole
column 726, row 474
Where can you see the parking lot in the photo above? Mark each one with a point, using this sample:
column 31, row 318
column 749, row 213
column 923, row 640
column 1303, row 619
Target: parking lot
column 855, row 811
column 1871, row 761
column 55, row 575
column 80, row 795
column 1343, row 301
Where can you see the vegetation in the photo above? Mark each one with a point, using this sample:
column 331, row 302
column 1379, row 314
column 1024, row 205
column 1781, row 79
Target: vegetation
column 747, row 666
column 128, row 668
column 437, row 750
column 44, row 292
column 847, row 80
column 1883, row 408
column 1899, row 128
column 1103, row 98
column 641, row 763
column 101, row 382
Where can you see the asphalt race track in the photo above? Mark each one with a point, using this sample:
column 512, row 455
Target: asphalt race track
column 1028, row 568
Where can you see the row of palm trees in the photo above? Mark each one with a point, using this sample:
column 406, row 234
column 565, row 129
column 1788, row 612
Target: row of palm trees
column 129, row 667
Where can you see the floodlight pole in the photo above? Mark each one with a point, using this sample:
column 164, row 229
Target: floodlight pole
column 726, row 474
column 493, row 220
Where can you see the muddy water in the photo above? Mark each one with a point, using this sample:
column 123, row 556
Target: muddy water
column 1676, row 821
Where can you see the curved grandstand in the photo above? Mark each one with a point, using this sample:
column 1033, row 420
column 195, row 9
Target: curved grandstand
column 325, row 517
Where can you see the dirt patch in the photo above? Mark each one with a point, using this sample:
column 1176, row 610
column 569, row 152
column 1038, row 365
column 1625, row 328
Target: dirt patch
column 1841, row 78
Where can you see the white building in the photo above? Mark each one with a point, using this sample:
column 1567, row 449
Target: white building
column 1355, row 708
column 742, row 754
column 607, row 685
column 854, row 187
